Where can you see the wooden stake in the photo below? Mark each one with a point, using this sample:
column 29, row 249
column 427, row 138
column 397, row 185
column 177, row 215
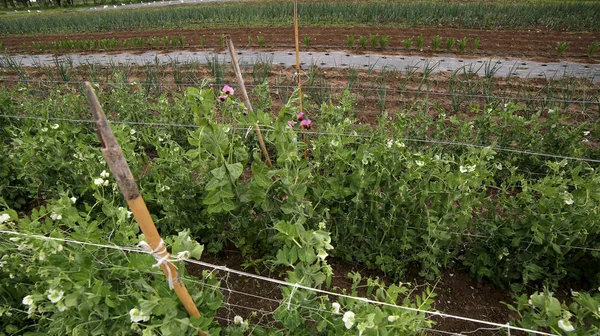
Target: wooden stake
column 297, row 53
column 298, row 71
column 116, row 161
column 242, row 88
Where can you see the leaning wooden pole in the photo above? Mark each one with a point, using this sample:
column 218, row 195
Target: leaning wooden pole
column 297, row 54
column 242, row 88
column 118, row 166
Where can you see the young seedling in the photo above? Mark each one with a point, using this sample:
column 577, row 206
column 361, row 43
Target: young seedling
column 407, row 43
column 594, row 46
column 222, row 40
column 561, row 47
column 363, row 42
column 476, row 43
column 383, row 41
column 420, row 42
column 450, row 43
column 202, row 41
column 462, row 44
column 260, row 40
column 435, row 42
column 306, row 39
column 351, row 39
column 250, row 42
column 373, row 39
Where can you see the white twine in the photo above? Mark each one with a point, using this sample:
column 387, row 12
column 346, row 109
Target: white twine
column 163, row 258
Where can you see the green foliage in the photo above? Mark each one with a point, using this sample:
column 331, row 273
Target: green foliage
column 363, row 40
column 593, row 47
column 420, row 42
column 561, row 47
column 543, row 310
column 553, row 15
column 407, row 43
column 462, row 45
column 306, row 40
column 435, row 42
column 476, row 43
column 350, row 41
column 450, row 42
column 383, row 41
column 260, row 40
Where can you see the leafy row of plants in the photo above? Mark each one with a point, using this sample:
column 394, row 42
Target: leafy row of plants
column 548, row 15
column 83, row 290
column 107, row 44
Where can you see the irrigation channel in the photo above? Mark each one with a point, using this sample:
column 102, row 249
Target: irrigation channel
column 482, row 67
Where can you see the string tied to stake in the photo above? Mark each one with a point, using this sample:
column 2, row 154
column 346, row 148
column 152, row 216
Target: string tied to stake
column 163, row 257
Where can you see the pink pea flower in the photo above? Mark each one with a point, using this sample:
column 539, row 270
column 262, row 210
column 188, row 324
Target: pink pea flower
column 300, row 116
column 222, row 98
column 305, row 124
column 228, row 90
column 291, row 124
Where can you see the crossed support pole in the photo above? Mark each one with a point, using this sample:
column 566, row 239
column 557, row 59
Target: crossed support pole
column 118, row 166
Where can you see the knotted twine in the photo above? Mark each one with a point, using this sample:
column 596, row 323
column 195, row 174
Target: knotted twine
column 163, row 257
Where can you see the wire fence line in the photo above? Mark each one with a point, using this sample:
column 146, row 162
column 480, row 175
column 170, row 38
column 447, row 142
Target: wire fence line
column 429, row 141
column 462, row 233
column 317, row 87
column 284, row 283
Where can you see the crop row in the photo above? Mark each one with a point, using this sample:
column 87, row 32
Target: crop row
column 548, row 15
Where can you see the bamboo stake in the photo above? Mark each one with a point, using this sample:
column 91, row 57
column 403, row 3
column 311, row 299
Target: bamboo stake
column 297, row 53
column 242, row 87
column 299, row 81
column 116, row 161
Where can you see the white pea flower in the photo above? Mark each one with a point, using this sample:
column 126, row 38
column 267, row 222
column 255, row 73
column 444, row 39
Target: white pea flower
column 568, row 201
column 4, row 218
column 163, row 188
column 58, row 248
column 392, row 318
column 31, row 309
column 400, row 144
column 61, row 307
column 586, row 133
column 550, row 111
column 467, row 169
column 55, row 216
column 105, row 174
column 322, row 255
column 322, row 225
column 28, row 300
column 419, row 163
column 565, row 325
column 335, row 143
column 99, row 181
column 55, row 126
column 136, row 315
column 227, row 129
column 73, row 199
column 238, row 320
column 348, row 319
column 335, row 308
column 55, row 295
column 389, row 143
column 42, row 255
column 44, row 129
column 2, row 263
column 365, row 161
column 132, row 132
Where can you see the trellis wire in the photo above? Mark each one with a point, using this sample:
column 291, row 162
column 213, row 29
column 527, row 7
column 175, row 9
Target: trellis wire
column 432, row 141
column 288, row 284
column 435, row 93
